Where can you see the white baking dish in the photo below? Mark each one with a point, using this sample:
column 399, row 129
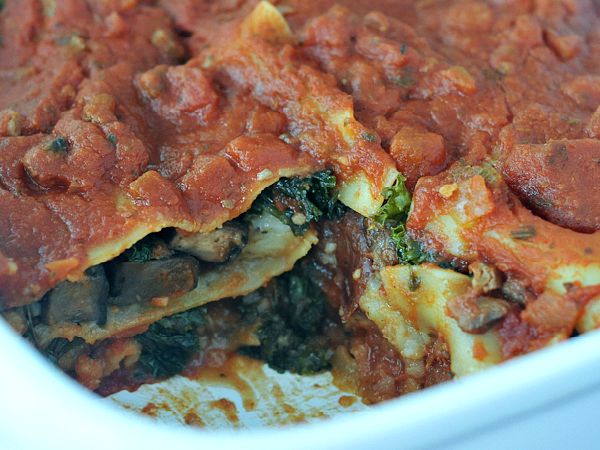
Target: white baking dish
column 549, row 399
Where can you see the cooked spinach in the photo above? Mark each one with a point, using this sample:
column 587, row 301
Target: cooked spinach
column 144, row 250
column 169, row 344
column 291, row 330
column 299, row 201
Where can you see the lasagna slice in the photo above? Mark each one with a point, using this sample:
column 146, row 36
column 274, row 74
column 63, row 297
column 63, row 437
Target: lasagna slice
column 160, row 190
column 385, row 194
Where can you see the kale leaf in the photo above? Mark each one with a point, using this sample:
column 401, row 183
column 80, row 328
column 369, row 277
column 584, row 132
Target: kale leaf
column 150, row 247
column 291, row 330
column 393, row 214
column 169, row 344
column 299, row 201
column 396, row 203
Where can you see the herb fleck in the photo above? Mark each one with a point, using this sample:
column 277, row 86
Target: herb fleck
column 370, row 137
column 59, row 145
column 403, row 48
column 523, row 232
column 571, row 120
column 404, row 81
column 112, row 139
column 413, row 281
column 492, row 74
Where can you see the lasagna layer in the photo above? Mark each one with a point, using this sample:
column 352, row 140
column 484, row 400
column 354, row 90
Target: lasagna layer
column 464, row 137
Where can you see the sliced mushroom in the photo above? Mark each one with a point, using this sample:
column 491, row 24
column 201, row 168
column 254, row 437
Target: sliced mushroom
column 77, row 302
column 477, row 314
column 139, row 282
column 218, row 246
column 514, row 291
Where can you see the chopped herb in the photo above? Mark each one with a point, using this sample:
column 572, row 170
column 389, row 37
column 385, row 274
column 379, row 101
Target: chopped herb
column 309, row 199
column 370, row 137
column 393, row 214
column 489, row 174
column 523, row 232
column 413, row 281
column 112, row 139
column 404, row 81
column 492, row 74
column 2, row 4
column 571, row 120
column 59, row 145
column 403, row 48
column 169, row 344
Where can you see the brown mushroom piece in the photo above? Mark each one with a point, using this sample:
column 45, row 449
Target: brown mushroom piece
column 218, row 246
column 138, row 282
column 78, row 301
column 478, row 314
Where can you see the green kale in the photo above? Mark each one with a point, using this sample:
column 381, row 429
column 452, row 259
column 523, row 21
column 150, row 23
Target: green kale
column 151, row 247
column 283, row 349
column 169, row 344
column 141, row 251
column 303, row 306
column 393, row 214
column 325, row 195
column 291, row 330
column 396, row 203
column 299, row 201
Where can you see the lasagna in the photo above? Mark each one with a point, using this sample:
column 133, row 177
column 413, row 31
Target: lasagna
column 402, row 192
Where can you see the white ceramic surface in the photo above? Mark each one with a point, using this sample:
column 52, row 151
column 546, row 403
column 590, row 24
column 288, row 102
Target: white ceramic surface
column 550, row 399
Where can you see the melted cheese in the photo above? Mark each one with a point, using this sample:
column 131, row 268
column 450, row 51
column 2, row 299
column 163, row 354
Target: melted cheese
column 408, row 318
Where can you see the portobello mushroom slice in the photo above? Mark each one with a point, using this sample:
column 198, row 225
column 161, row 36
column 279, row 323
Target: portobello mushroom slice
column 79, row 301
column 477, row 314
column 138, row 282
column 218, row 246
